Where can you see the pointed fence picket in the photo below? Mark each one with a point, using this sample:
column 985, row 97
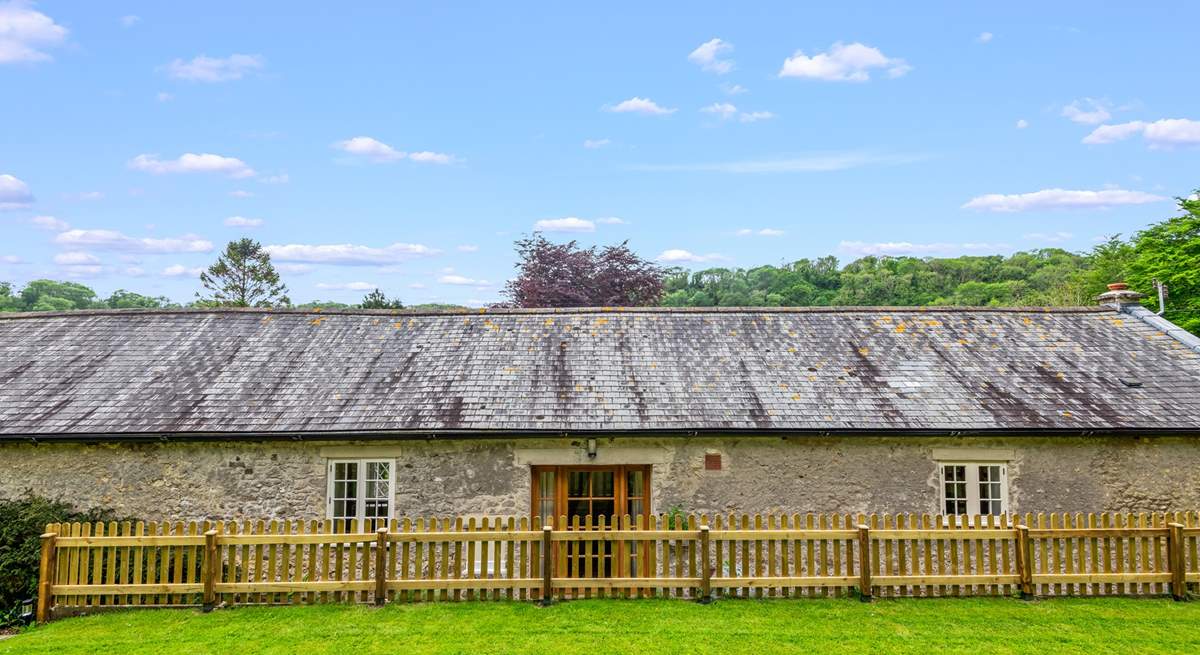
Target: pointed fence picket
column 87, row 567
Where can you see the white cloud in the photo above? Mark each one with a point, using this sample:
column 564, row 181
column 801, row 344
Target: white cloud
column 722, row 110
column 50, row 223
column 708, row 56
column 889, row 248
column 84, row 271
column 764, row 232
column 813, row 163
column 467, row 248
column 416, row 285
column 239, row 193
column 85, row 195
column 346, row 286
column 365, row 146
column 75, row 258
column 755, row 116
column 345, row 253
column 592, row 144
column 985, row 37
column 114, row 240
column 1113, row 133
column 134, row 271
column 11, row 259
column 163, row 96
column 426, row 157
column 179, row 270
column 24, row 33
column 843, row 63
column 679, row 256
column 460, row 280
column 281, row 178
column 297, row 269
column 1059, row 199
column 380, row 152
column 1022, row 124
column 636, row 105
column 192, row 163
column 726, row 111
column 733, row 89
column 567, row 224
column 1172, row 132
column 242, row 221
column 130, row 20
column 14, row 194
column 610, row 220
column 1088, row 111
column 214, row 69
column 1049, row 237
column 1163, row 133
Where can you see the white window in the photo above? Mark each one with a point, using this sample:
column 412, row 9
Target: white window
column 360, row 489
column 970, row 488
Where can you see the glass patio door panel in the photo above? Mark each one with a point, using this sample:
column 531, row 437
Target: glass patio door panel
column 584, row 498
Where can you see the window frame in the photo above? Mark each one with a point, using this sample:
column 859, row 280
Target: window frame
column 971, row 479
column 360, row 497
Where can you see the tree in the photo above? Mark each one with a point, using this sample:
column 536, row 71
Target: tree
column 55, row 296
column 122, row 299
column 8, row 302
column 376, row 300
column 1170, row 252
column 244, row 277
column 565, row 275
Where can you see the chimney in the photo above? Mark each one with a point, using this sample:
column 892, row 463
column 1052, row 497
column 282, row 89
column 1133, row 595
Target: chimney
column 1120, row 297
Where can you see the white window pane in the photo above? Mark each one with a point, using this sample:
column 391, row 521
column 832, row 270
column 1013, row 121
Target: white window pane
column 378, row 470
column 345, row 471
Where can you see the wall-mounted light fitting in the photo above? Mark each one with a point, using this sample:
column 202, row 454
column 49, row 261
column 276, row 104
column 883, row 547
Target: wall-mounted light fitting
column 591, row 448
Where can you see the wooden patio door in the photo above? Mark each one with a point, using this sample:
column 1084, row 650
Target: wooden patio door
column 577, row 497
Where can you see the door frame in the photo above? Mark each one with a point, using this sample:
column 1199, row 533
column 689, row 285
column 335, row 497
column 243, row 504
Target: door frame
column 621, row 549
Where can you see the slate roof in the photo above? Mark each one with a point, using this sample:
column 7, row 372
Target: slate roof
column 255, row 372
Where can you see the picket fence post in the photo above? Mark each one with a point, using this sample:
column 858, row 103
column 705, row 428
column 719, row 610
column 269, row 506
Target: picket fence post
column 381, row 545
column 209, row 570
column 705, row 568
column 547, row 569
column 1176, row 561
column 46, row 570
column 864, row 563
column 1025, row 562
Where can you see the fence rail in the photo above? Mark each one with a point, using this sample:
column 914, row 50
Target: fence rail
column 88, row 566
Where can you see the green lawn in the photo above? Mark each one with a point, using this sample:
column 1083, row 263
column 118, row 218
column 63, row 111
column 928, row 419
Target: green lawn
column 931, row 627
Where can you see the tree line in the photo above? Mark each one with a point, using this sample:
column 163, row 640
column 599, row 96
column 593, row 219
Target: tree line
column 567, row 275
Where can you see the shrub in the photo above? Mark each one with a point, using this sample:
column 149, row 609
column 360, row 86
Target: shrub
column 22, row 522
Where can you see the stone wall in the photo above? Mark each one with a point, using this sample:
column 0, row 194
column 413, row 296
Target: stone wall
column 278, row 479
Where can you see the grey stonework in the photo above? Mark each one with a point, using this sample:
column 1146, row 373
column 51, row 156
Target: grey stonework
column 287, row 479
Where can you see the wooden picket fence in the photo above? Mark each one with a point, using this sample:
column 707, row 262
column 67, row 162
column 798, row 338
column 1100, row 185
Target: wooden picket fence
column 86, row 567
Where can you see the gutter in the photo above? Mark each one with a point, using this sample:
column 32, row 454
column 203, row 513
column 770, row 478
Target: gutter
column 436, row 435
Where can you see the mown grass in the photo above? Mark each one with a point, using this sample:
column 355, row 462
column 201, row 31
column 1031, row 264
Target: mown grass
column 928, row 626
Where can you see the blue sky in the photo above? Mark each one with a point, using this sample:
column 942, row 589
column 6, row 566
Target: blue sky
column 405, row 146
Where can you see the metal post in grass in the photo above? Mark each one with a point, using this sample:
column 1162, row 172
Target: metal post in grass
column 208, row 571
column 46, row 570
column 547, row 561
column 864, row 563
column 705, row 567
column 1176, row 562
column 1025, row 562
column 381, row 545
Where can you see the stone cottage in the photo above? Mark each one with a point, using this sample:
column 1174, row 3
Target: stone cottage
column 360, row 414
